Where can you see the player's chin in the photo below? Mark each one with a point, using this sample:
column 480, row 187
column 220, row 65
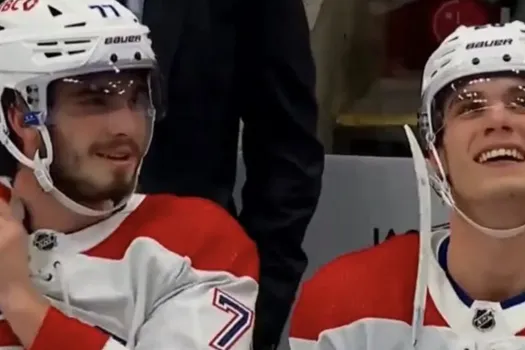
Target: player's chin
column 501, row 166
column 107, row 171
column 117, row 189
column 102, row 178
column 503, row 187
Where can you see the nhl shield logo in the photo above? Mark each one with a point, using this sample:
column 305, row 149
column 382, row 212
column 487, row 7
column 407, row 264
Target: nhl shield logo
column 484, row 320
column 45, row 240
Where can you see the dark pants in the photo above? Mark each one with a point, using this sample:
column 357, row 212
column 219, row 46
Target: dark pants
column 249, row 59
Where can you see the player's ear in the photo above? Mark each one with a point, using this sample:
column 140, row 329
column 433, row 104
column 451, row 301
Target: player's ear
column 26, row 138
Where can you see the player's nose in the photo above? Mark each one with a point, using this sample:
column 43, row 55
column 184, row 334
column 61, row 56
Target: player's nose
column 498, row 118
column 124, row 121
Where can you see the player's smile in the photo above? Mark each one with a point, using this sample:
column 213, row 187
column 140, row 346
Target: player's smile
column 500, row 155
column 123, row 155
column 118, row 160
column 115, row 155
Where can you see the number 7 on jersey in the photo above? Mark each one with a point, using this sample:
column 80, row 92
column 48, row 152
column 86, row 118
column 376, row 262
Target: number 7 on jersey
column 241, row 320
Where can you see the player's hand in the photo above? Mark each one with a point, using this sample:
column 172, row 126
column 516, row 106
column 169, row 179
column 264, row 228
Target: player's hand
column 14, row 255
column 21, row 304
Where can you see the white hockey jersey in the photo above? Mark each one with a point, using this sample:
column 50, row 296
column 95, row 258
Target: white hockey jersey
column 164, row 273
column 364, row 301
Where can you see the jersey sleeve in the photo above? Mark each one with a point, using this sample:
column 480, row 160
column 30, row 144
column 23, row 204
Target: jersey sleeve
column 215, row 307
column 324, row 317
column 327, row 301
column 208, row 234
column 212, row 310
column 176, row 307
column 311, row 316
column 223, row 245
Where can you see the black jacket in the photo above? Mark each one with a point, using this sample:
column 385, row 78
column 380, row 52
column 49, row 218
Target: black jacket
column 229, row 59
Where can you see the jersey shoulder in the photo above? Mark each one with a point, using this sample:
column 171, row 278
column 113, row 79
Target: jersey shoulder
column 192, row 227
column 377, row 282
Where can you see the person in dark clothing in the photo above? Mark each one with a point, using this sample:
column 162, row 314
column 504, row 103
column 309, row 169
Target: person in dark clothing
column 226, row 60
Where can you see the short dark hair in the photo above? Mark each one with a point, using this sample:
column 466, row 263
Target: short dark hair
column 8, row 163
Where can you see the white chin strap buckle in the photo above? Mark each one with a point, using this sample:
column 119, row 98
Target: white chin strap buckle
column 44, row 180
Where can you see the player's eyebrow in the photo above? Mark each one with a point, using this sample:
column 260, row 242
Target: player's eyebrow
column 85, row 91
column 480, row 94
column 456, row 97
column 515, row 89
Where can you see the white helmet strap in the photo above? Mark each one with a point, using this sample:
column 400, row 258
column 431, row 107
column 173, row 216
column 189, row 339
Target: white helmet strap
column 41, row 173
column 443, row 188
column 40, row 167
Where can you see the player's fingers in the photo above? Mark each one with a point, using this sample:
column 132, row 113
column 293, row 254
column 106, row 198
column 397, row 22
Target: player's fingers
column 6, row 211
column 5, row 193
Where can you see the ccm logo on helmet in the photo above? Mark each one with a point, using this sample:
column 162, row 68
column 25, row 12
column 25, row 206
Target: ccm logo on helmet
column 127, row 39
column 488, row 43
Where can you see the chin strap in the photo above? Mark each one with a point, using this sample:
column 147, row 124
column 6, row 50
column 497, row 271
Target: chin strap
column 43, row 178
column 40, row 167
column 425, row 182
column 442, row 188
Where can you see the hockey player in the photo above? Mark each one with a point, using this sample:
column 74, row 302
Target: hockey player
column 462, row 288
column 108, row 269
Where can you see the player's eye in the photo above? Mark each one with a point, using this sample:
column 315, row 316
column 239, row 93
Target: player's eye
column 517, row 104
column 139, row 97
column 470, row 108
column 94, row 101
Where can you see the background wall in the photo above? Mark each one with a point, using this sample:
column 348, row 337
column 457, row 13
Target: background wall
column 362, row 199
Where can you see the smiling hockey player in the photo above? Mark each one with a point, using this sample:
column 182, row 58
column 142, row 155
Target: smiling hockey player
column 462, row 288
column 108, row 269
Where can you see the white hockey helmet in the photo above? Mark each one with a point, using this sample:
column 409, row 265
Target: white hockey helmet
column 468, row 56
column 43, row 41
column 467, row 52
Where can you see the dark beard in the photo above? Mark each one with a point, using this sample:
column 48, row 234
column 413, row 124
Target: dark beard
column 83, row 192
column 79, row 189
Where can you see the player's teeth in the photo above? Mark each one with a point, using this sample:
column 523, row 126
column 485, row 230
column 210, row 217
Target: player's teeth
column 514, row 153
